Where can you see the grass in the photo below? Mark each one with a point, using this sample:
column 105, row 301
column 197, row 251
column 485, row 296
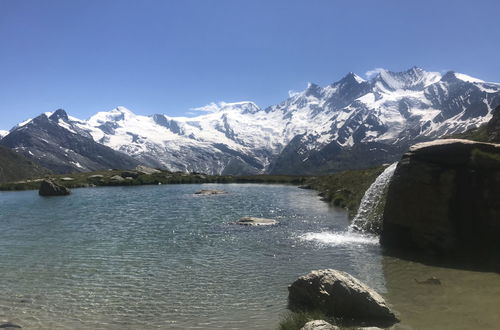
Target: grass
column 345, row 189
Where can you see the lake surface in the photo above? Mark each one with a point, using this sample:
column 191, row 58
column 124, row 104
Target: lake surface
column 160, row 257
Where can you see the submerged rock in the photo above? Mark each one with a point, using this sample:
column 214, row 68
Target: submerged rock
column 431, row 280
column 9, row 326
column 319, row 325
column 210, row 192
column 50, row 188
column 339, row 294
column 253, row 221
column 444, row 199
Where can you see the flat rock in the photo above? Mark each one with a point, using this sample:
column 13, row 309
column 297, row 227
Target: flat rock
column 253, row 221
column 50, row 188
column 67, row 179
column 117, row 178
column 146, row 170
column 319, row 325
column 210, row 192
column 341, row 295
column 95, row 176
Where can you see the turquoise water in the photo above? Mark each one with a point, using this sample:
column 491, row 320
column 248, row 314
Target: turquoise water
column 160, row 257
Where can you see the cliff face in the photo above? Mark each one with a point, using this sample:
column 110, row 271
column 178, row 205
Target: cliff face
column 444, row 198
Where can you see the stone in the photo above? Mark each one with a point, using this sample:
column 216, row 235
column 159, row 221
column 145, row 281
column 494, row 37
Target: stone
column 319, row 325
column 210, row 192
column 339, row 294
column 95, row 177
column 444, row 200
column 146, row 170
column 117, row 178
column 9, row 326
column 253, row 221
column 67, row 179
column 50, row 188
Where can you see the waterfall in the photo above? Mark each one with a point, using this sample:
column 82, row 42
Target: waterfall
column 369, row 216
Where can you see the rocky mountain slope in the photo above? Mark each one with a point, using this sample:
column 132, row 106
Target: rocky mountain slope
column 14, row 167
column 52, row 141
column 352, row 123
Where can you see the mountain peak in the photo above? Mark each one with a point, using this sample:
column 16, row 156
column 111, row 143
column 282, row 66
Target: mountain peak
column 351, row 77
column 59, row 114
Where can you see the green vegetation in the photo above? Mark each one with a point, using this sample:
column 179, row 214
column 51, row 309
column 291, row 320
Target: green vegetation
column 345, row 189
column 132, row 178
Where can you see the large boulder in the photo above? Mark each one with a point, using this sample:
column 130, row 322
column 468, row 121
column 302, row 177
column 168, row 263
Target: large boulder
column 50, row 188
column 444, row 198
column 339, row 294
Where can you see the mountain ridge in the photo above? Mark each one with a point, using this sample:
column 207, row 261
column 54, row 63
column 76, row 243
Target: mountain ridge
column 327, row 128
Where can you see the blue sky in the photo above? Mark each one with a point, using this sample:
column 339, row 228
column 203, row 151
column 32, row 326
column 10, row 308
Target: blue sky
column 171, row 56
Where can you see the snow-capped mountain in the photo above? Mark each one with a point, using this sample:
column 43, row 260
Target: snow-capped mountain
column 51, row 140
column 351, row 123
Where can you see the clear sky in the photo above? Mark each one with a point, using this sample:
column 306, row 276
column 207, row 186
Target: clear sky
column 171, row 56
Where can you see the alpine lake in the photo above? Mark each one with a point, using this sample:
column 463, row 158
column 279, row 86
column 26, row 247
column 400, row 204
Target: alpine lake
column 159, row 256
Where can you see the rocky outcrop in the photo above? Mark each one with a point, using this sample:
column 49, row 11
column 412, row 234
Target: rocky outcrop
column 146, row 170
column 50, row 188
column 319, row 325
column 340, row 295
column 444, row 199
column 253, row 221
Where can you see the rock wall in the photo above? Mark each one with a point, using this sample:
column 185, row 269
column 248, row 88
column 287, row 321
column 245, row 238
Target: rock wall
column 444, row 198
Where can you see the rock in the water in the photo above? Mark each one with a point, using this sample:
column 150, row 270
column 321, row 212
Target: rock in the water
column 50, row 188
column 9, row 326
column 339, row 294
column 210, row 192
column 431, row 280
column 146, row 170
column 253, row 221
column 444, row 198
column 319, row 325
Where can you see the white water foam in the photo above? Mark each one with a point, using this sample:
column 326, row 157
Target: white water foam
column 369, row 217
column 340, row 238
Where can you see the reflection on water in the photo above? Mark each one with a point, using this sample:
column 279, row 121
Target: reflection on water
column 160, row 257
column 464, row 299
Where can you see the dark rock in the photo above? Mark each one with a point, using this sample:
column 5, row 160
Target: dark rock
column 9, row 326
column 431, row 280
column 210, row 192
column 129, row 174
column 340, row 295
column 444, row 199
column 50, row 188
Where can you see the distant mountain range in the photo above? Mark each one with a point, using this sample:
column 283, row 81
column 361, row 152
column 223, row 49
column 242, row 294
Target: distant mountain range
column 352, row 123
